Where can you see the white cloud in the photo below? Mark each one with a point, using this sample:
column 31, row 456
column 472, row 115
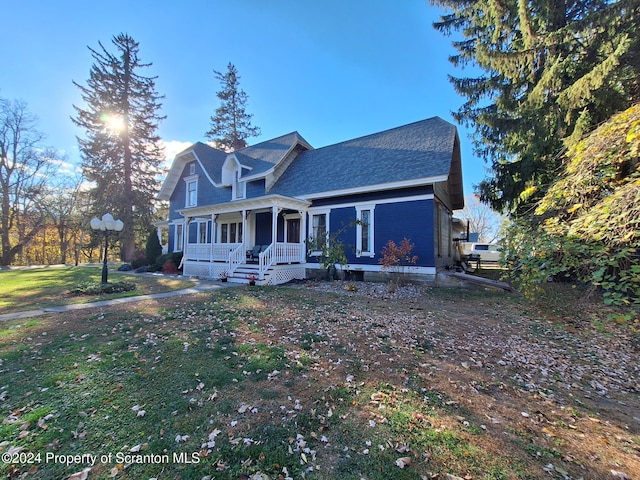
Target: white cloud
column 172, row 148
column 64, row 167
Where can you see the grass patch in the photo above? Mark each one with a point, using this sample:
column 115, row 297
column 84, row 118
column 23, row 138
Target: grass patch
column 246, row 381
column 38, row 288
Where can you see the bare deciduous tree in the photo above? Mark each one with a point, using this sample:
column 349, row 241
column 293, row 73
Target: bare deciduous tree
column 482, row 219
column 24, row 169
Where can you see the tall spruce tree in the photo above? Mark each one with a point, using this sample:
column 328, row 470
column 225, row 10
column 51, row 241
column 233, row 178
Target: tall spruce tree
column 231, row 124
column 552, row 72
column 121, row 151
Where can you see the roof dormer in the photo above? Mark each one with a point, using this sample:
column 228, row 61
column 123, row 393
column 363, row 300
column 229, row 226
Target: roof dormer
column 231, row 177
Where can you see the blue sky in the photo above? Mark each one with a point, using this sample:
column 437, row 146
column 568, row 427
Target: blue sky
column 332, row 70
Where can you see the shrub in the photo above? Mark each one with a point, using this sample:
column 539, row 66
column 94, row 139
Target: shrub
column 175, row 257
column 169, row 267
column 536, row 256
column 140, row 262
column 153, row 248
column 396, row 257
column 96, row 288
column 586, row 227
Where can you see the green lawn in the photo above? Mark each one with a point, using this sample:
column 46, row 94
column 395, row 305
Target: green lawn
column 38, row 288
column 289, row 383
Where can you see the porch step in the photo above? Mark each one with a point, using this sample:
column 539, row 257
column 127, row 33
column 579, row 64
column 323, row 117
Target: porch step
column 244, row 272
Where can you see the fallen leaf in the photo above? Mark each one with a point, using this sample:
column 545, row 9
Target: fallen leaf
column 403, row 462
column 80, row 475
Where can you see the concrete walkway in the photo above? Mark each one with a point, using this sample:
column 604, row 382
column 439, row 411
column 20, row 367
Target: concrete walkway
column 200, row 286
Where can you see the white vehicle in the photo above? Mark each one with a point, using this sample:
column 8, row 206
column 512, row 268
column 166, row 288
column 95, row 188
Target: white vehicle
column 488, row 252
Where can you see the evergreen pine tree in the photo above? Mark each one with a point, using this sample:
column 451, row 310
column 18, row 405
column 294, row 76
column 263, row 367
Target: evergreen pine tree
column 121, row 151
column 153, row 248
column 552, row 72
column 231, row 124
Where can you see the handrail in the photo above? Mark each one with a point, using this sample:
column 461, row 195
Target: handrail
column 236, row 257
column 220, row 251
column 265, row 260
column 288, row 252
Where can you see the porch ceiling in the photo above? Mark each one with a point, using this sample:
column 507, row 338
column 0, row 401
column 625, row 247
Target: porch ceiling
column 268, row 201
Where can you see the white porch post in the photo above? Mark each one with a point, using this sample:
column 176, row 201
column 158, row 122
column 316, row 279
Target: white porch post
column 303, row 241
column 213, row 236
column 244, row 229
column 186, row 233
column 185, row 237
column 274, row 225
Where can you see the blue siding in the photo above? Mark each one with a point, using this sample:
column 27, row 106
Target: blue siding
column 413, row 220
column 177, row 200
column 207, row 193
column 392, row 221
column 343, row 220
column 280, row 229
column 255, row 189
column 171, row 244
column 263, row 228
column 373, row 196
column 193, row 232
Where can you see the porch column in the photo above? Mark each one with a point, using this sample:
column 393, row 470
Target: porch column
column 303, row 233
column 185, row 238
column 213, row 236
column 274, row 226
column 244, row 229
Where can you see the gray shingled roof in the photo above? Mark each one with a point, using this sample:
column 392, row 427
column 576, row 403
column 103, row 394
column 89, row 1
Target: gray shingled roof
column 419, row 150
column 263, row 156
column 211, row 158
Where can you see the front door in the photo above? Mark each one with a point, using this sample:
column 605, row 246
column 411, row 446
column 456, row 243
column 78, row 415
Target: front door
column 293, row 230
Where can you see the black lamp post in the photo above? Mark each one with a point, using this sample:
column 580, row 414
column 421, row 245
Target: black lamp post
column 107, row 225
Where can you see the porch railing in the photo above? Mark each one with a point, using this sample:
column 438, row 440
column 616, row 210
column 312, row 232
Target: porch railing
column 236, row 257
column 220, row 251
column 198, row 251
column 234, row 254
column 265, row 260
column 289, row 252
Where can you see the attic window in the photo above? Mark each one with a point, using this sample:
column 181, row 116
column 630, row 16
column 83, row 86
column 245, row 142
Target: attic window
column 239, row 189
column 192, row 168
column 191, row 199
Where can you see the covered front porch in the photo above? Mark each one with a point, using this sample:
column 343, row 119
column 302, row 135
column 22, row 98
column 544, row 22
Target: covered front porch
column 261, row 240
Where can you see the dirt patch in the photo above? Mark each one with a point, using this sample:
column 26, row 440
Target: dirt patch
column 564, row 394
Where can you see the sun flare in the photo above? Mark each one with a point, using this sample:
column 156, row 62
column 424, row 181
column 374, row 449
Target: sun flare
column 113, row 122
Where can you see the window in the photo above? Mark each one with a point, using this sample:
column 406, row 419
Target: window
column 192, row 191
column 179, row 239
column 364, row 231
column 293, row 230
column 203, row 232
column 231, row 232
column 192, row 168
column 239, row 188
column 224, row 233
column 319, row 231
